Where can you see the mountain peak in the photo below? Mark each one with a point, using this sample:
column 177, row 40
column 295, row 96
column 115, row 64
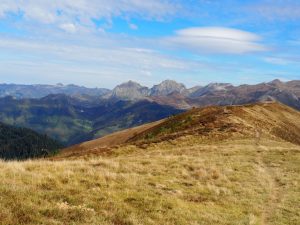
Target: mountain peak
column 211, row 88
column 129, row 91
column 130, row 84
column 167, row 87
column 276, row 82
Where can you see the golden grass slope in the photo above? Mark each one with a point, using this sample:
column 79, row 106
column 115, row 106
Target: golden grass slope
column 105, row 143
column 270, row 120
column 248, row 177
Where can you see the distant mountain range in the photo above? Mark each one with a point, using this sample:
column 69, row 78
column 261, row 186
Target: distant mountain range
column 126, row 91
column 40, row 91
column 169, row 93
column 75, row 114
column 177, row 95
column 287, row 93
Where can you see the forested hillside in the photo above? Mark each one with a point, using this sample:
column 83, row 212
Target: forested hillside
column 23, row 143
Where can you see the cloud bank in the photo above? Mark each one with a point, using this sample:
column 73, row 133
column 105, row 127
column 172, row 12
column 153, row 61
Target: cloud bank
column 111, row 41
column 217, row 40
column 82, row 12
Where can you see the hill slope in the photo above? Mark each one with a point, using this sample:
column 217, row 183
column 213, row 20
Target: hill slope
column 272, row 120
column 22, row 143
column 242, row 169
column 269, row 120
column 107, row 141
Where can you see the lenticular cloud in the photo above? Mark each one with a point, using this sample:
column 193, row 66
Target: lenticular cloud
column 217, row 40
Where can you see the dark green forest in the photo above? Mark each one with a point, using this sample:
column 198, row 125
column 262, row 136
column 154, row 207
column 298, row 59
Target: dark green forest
column 22, row 143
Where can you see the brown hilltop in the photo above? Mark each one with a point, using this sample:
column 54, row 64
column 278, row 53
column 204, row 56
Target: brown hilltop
column 272, row 120
column 105, row 143
column 262, row 120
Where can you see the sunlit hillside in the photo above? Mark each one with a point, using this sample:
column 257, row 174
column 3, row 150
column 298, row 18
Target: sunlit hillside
column 170, row 173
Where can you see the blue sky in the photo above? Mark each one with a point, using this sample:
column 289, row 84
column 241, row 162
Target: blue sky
column 103, row 43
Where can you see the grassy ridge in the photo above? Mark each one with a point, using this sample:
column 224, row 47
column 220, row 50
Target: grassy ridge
column 184, row 181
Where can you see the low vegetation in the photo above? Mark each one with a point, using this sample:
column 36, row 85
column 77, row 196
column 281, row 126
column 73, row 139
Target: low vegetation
column 182, row 182
column 248, row 175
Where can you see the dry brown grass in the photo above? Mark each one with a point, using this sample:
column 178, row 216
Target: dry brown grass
column 183, row 181
column 246, row 176
column 105, row 143
column 270, row 120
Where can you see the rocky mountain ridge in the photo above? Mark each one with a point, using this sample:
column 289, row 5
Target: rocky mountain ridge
column 21, row 91
column 216, row 93
column 177, row 95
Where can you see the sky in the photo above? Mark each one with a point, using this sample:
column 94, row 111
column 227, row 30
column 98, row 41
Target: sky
column 100, row 43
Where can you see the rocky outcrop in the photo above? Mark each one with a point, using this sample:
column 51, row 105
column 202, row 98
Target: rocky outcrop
column 167, row 87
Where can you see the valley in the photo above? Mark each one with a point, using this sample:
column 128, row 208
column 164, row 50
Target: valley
column 72, row 121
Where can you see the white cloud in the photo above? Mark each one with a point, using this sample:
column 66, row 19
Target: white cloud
column 100, row 59
column 84, row 11
column 217, row 40
column 110, row 55
column 68, row 27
